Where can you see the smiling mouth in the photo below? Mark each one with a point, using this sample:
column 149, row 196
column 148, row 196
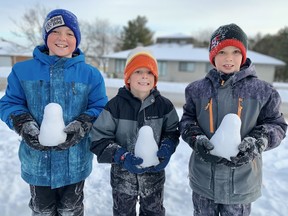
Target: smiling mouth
column 61, row 45
column 228, row 65
column 143, row 83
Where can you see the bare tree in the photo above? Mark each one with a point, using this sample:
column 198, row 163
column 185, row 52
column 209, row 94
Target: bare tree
column 30, row 27
column 99, row 38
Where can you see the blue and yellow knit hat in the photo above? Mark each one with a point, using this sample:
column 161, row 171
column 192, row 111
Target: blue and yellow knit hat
column 61, row 17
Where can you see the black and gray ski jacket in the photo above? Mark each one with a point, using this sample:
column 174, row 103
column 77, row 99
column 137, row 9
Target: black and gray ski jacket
column 118, row 126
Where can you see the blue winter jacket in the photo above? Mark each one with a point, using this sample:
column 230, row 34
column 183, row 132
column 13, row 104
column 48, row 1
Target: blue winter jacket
column 78, row 88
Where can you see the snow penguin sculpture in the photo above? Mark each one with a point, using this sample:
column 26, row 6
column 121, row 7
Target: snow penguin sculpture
column 146, row 147
column 52, row 126
column 227, row 137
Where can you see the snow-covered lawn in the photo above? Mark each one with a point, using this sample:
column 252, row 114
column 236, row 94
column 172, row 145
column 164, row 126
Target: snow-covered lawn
column 14, row 192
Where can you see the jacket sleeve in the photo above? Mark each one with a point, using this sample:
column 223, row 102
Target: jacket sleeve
column 14, row 100
column 271, row 123
column 97, row 97
column 103, row 137
column 171, row 131
column 188, row 126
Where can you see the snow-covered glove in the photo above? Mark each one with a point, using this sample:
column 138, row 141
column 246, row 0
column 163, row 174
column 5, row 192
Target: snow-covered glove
column 202, row 146
column 129, row 161
column 249, row 149
column 76, row 130
column 25, row 125
column 164, row 153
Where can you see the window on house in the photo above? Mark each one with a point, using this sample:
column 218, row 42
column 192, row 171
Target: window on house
column 208, row 67
column 119, row 66
column 6, row 61
column 162, row 68
column 186, row 66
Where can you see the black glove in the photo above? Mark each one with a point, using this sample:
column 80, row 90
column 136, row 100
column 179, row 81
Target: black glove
column 25, row 125
column 164, row 153
column 76, row 130
column 249, row 149
column 202, row 146
column 129, row 161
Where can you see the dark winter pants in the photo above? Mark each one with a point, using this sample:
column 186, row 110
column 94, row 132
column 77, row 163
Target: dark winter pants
column 125, row 205
column 207, row 207
column 64, row 201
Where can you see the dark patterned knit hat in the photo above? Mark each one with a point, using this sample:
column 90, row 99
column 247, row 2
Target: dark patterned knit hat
column 61, row 17
column 228, row 35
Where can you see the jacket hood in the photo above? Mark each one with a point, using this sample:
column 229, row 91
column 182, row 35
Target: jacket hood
column 246, row 70
column 41, row 53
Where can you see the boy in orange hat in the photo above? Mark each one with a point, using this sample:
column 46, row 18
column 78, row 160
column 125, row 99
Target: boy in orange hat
column 114, row 135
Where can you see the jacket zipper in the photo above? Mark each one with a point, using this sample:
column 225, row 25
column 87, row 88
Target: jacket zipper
column 209, row 107
column 240, row 107
column 211, row 123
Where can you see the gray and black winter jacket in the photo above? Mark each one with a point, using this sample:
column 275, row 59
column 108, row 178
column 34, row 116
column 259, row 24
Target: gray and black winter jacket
column 208, row 100
column 118, row 126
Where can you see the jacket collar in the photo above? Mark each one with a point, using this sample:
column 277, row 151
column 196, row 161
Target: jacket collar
column 41, row 53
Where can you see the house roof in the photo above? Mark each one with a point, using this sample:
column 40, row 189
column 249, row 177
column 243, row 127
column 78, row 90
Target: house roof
column 6, row 49
column 186, row 52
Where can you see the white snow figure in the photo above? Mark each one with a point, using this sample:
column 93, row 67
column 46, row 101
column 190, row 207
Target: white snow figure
column 227, row 137
column 52, row 126
column 146, row 147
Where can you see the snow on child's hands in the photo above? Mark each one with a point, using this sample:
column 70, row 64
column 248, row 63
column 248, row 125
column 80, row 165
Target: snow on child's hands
column 203, row 147
column 164, row 153
column 129, row 161
column 27, row 127
column 249, row 149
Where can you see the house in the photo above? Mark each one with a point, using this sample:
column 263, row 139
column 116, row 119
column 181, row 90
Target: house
column 9, row 55
column 180, row 61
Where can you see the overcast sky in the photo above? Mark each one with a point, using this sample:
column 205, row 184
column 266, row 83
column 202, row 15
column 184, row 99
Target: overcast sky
column 164, row 17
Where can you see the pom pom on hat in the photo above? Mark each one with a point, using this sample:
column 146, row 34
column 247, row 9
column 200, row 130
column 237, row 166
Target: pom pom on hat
column 228, row 35
column 61, row 17
column 137, row 58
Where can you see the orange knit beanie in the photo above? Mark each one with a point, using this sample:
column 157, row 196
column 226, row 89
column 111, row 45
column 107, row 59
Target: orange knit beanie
column 137, row 58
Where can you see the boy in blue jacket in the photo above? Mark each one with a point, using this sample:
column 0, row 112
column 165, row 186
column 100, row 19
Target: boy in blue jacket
column 221, row 186
column 116, row 131
column 57, row 73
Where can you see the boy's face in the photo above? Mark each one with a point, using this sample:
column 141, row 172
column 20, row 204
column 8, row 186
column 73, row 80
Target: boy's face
column 141, row 82
column 61, row 42
column 228, row 60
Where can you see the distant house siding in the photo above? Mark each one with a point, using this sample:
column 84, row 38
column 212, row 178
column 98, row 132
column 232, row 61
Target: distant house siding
column 264, row 72
column 20, row 58
column 5, row 61
column 3, row 83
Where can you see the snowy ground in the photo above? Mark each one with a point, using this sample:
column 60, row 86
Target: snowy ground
column 14, row 192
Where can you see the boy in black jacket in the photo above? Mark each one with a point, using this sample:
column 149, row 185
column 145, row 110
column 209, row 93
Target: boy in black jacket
column 114, row 135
